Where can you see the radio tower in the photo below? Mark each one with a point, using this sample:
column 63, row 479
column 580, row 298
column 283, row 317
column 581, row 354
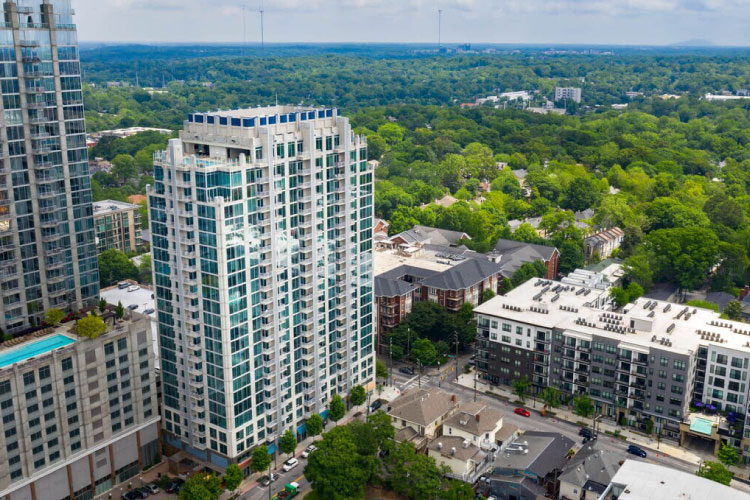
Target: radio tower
column 440, row 25
column 262, row 41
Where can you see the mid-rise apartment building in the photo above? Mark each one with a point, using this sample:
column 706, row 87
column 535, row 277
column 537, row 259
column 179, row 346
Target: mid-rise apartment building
column 47, row 249
column 650, row 361
column 261, row 234
column 78, row 415
column 572, row 93
column 118, row 226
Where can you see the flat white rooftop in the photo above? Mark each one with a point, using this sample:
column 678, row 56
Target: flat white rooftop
column 645, row 481
column 645, row 323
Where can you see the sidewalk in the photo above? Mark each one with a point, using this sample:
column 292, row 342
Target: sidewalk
column 389, row 393
column 663, row 447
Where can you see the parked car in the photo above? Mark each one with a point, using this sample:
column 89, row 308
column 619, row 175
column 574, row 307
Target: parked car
column 635, row 450
column 152, row 488
column 143, row 491
column 133, row 307
column 587, row 433
column 266, row 480
column 122, row 285
column 132, row 495
column 175, row 485
column 290, row 464
column 134, row 288
column 383, row 453
column 150, row 310
column 309, row 450
column 376, row 405
column 406, row 370
column 523, row 412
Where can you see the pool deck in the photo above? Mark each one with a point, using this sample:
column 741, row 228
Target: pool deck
column 34, row 346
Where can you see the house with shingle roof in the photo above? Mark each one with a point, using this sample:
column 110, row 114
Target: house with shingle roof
column 511, row 255
column 588, row 473
column 603, row 242
column 419, row 415
column 480, row 424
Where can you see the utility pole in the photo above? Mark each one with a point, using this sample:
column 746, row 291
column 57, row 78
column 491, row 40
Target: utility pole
column 440, row 375
column 408, row 340
column 475, row 385
column 455, row 332
column 419, row 375
column 390, row 356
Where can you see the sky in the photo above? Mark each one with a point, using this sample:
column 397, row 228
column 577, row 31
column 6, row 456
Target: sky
column 621, row 22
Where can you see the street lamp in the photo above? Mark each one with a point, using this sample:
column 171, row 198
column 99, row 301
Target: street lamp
column 440, row 375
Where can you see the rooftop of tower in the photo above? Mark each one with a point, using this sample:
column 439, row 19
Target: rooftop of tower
column 267, row 115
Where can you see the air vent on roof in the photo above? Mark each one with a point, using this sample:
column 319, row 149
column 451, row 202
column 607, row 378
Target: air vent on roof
column 670, row 328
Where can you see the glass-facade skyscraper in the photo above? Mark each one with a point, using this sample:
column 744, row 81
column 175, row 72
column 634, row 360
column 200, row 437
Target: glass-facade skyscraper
column 261, row 227
column 47, row 244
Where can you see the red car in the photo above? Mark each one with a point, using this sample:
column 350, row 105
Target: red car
column 522, row 412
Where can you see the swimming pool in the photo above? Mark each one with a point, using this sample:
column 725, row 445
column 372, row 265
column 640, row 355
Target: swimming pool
column 32, row 349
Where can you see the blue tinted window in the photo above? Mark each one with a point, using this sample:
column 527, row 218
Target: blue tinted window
column 283, row 118
column 248, row 122
column 272, row 120
column 223, row 120
column 321, row 114
column 198, row 118
column 292, row 117
column 236, row 122
column 329, row 113
column 210, row 119
column 263, row 120
column 311, row 115
column 190, row 118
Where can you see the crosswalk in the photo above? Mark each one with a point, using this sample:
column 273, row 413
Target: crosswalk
column 413, row 382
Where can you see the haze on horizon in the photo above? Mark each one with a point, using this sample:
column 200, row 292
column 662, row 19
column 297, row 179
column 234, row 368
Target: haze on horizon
column 616, row 22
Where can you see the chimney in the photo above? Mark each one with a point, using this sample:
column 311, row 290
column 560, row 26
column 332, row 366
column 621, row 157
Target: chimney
column 477, row 417
column 453, row 398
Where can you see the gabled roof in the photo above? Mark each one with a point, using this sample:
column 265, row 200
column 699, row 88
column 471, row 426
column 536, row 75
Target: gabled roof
column 546, row 451
column 610, row 234
column 468, row 273
column 385, row 287
column 591, row 465
column 424, row 234
column 466, row 418
column 584, row 214
column 513, row 254
column 406, row 270
column 422, row 407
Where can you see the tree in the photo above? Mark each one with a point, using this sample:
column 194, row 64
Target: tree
column 381, row 371
column 728, row 455
column 619, row 296
column 582, row 193
column 54, row 316
column 733, row 310
column 115, row 266
column 357, row 395
column 144, row 269
column 232, row 477
column 90, row 327
column 521, row 388
column 336, row 471
column 288, row 442
column 583, row 406
column 551, row 397
column 336, row 408
column 102, row 305
column 423, row 351
column 458, row 490
column 683, row 255
column 487, row 295
column 201, row 486
column 314, row 425
column 414, row 475
column 571, row 256
column 124, row 168
column 391, row 132
column 260, row 460
column 119, row 310
column 715, row 471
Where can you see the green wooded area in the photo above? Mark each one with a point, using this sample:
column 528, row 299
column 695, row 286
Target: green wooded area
column 673, row 173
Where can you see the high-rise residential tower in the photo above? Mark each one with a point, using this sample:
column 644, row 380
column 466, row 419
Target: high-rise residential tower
column 47, row 243
column 261, row 225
